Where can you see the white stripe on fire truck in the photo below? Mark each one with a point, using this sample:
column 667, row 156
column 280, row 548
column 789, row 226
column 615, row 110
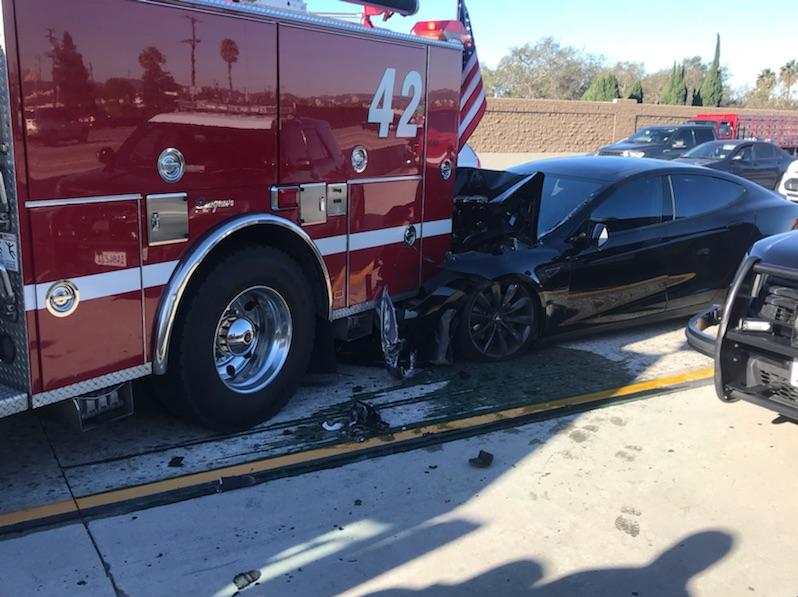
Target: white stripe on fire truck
column 157, row 274
column 333, row 245
column 106, row 284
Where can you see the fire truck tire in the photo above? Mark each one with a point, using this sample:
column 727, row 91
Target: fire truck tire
column 242, row 341
column 497, row 322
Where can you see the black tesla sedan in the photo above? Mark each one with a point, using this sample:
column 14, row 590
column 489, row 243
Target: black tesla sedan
column 758, row 161
column 563, row 245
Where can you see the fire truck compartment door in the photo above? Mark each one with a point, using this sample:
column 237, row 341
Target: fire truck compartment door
column 89, row 283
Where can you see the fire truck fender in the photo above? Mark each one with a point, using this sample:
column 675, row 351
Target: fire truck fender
column 206, row 246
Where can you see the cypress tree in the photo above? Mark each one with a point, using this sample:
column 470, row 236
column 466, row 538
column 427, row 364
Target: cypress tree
column 637, row 92
column 711, row 91
column 675, row 91
column 604, row 88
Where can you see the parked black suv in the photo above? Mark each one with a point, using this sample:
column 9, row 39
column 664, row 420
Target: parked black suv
column 756, row 347
column 663, row 142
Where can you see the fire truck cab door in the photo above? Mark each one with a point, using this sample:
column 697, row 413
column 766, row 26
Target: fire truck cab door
column 351, row 140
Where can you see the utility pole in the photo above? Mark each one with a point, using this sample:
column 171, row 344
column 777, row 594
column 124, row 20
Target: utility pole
column 54, row 44
column 193, row 41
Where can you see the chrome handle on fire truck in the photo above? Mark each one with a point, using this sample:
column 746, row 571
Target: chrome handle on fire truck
column 7, row 296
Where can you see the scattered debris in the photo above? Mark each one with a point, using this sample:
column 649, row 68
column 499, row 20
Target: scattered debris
column 400, row 359
column 358, row 502
column 483, row 460
column 365, row 421
column 243, row 580
column 176, row 462
column 230, row 483
column 337, row 426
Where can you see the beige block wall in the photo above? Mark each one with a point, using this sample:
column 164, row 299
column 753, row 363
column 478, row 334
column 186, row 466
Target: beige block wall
column 560, row 126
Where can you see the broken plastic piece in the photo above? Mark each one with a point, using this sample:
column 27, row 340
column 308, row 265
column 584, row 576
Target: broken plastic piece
column 365, row 421
column 175, row 462
column 399, row 358
column 243, row 580
column 483, row 460
column 337, row 426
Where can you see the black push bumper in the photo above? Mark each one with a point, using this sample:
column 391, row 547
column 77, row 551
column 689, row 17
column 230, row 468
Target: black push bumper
column 697, row 337
column 750, row 365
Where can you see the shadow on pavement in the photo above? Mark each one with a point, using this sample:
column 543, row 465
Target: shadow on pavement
column 667, row 576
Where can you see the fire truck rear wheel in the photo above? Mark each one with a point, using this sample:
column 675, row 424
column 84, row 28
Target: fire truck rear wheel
column 242, row 341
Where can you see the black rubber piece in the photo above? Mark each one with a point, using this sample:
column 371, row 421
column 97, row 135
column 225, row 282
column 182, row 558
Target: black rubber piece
column 192, row 387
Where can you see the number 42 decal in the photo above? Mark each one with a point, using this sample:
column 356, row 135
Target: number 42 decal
column 381, row 109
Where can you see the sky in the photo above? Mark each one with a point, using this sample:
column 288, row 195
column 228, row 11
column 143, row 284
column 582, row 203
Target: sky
column 754, row 35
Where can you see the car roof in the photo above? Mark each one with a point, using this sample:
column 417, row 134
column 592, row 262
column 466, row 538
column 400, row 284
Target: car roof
column 602, row 168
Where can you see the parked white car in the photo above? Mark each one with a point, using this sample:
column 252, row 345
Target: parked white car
column 789, row 182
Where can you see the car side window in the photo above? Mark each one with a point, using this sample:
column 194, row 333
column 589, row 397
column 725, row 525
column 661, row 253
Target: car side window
column 695, row 194
column 703, row 135
column 682, row 138
column 744, row 154
column 763, row 151
column 633, row 205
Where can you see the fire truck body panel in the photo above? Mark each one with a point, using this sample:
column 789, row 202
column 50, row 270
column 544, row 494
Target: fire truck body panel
column 345, row 166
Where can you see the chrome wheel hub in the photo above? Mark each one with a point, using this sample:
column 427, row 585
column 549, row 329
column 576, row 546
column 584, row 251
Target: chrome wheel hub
column 252, row 340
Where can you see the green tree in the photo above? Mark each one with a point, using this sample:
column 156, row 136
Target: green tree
column 789, row 75
column 604, row 88
column 637, row 92
column 711, row 91
column 545, row 70
column 675, row 91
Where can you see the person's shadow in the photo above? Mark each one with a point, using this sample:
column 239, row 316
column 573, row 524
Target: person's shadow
column 667, row 576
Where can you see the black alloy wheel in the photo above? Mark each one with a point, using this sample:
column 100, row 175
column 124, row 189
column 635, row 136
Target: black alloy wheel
column 498, row 322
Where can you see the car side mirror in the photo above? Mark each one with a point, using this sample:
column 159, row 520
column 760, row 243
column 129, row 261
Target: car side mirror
column 599, row 236
column 105, row 155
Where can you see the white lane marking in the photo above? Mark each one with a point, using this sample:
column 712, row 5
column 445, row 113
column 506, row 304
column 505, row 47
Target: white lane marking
column 105, row 284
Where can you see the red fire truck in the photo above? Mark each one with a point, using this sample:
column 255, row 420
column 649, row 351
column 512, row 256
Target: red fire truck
column 226, row 188
column 781, row 129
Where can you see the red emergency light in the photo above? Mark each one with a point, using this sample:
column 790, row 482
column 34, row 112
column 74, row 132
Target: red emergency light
column 442, row 31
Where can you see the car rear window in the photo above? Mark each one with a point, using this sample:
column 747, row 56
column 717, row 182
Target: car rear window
column 695, row 194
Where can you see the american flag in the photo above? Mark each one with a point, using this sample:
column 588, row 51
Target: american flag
column 472, row 94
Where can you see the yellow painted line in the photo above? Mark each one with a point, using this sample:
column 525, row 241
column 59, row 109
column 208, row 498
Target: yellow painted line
column 38, row 512
column 269, row 464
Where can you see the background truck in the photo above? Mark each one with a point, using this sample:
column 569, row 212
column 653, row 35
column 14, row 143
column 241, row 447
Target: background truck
column 251, row 179
column 781, row 129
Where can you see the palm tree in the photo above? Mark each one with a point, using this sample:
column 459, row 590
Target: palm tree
column 789, row 75
column 229, row 52
column 766, row 80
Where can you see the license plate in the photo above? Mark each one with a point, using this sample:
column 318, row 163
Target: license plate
column 794, row 374
column 8, row 252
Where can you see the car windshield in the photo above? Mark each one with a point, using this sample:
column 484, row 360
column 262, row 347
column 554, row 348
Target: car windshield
column 561, row 197
column 652, row 136
column 711, row 151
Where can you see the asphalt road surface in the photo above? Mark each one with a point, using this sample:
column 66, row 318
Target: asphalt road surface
column 663, row 490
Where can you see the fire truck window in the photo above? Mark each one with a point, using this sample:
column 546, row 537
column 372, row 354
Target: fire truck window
column 725, row 129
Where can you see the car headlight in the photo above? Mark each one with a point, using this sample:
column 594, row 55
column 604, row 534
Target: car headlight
column 633, row 154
